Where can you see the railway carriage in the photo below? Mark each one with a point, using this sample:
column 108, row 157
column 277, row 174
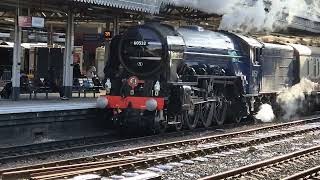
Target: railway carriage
column 308, row 60
column 158, row 76
column 278, row 64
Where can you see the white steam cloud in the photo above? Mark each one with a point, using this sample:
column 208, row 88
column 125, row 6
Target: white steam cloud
column 265, row 113
column 292, row 99
column 256, row 15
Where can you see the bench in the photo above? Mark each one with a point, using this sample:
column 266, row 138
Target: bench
column 42, row 89
column 27, row 88
column 86, row 85
column 35, row 87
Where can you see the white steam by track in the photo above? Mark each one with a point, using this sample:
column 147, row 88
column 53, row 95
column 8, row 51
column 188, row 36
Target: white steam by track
column 256, row 15
column 265, row 113
column 292, row 99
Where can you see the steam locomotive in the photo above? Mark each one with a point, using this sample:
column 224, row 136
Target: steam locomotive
column 158, row 76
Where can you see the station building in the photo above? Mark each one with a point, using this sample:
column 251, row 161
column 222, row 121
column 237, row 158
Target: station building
column 48, row 48
column 63, row 40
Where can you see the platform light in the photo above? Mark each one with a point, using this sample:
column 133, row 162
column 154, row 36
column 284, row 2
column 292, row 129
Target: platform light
column 108, row 86
column 9, row 19
column 43, row 14
column 157, row 88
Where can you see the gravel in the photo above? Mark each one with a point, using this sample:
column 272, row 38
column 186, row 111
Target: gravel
column 218, row 163
column 133, row 144
column 122, row 146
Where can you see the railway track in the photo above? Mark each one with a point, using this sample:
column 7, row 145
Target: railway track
column 13, row 153
column 142, row 157
column 312, row 173
column 277, row 167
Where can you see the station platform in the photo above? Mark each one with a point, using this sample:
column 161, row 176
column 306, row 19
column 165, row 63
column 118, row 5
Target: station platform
column 28, row 106
column 42, row 104
column 41, row 119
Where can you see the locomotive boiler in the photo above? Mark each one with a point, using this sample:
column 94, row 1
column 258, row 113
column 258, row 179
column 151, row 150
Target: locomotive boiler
column 158, row 76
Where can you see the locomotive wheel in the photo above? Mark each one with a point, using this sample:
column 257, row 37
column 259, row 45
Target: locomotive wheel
column 179, row 121
column 220, row 111
column 161, row 124
column 191, row 117
column 207, row 114
column 234, row 116
column 205, row 87
column 238, row 110
column 237, row 119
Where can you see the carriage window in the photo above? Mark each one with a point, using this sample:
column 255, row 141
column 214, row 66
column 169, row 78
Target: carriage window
column 314, row 67
column 318, row 66
column 257, row 56
column 308, row 67
column 256, row 53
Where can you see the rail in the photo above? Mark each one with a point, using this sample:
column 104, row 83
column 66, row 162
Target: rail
column 313, row 173
column 247, row 170
column 151, row 155
column 14, row 153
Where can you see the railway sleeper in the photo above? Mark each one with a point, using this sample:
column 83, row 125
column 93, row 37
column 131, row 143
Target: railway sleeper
column 226, row 147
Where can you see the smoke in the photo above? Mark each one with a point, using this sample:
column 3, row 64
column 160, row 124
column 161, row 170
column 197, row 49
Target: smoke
column 292, row 99
column 256, row 15
column 265, row 113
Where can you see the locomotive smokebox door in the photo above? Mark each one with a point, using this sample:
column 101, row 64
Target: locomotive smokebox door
column 176, row 49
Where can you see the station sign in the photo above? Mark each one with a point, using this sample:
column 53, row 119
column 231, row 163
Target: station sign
column 93, row 37
column 29, row 22
column 37, row 22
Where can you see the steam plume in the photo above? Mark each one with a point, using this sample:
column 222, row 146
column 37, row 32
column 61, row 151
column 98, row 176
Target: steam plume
column 291, row 99
column 256, row 15
column 265, row 113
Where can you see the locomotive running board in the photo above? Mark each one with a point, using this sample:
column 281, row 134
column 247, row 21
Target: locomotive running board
column 203, row 101
column 216, row 77
column 184, row 83
column 188, row 106
column 173, row 123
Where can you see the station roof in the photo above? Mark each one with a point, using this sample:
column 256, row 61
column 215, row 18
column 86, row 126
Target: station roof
column 150, row 6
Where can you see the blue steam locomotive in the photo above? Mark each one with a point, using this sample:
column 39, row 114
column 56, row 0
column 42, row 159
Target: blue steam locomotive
column 158, row 76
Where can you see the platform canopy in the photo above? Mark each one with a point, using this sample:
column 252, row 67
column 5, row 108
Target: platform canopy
column 150, row 6
column 147, row 6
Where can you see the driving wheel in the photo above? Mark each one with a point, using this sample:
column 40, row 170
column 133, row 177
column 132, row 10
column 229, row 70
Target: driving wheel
column 207, row 110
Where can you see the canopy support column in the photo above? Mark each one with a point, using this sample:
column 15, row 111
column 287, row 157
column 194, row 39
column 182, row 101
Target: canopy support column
column 116, row 25
column 16, row 67
column 68, row 57
column 107, row 43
